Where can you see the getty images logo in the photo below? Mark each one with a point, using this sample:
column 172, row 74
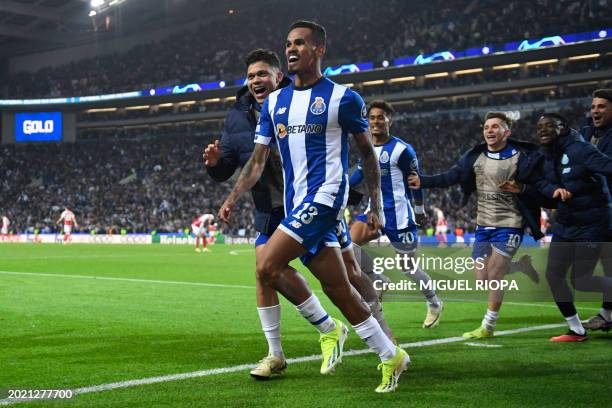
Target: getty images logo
column 37, row 126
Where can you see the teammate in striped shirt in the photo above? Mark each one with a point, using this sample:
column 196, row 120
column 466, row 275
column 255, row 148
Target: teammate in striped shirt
column 397, row 160
column 309, row 122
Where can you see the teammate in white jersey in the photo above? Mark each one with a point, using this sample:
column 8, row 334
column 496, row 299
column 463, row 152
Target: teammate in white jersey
column 199, row 226
column 5, row 228
column 309, row 121
column 397, row 160
column 70, row 221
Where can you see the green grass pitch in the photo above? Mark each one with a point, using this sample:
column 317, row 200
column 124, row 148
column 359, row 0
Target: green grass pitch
column 83, row 315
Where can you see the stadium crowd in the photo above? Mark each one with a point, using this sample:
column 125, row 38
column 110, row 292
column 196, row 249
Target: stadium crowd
column 381, row 90
column 154, row 180
column 215, row 51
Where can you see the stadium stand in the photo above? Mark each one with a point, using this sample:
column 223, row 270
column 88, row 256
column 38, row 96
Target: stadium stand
column 215, row 51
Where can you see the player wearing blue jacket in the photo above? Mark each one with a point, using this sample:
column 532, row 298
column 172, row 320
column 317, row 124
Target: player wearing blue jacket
column 582, row 220
column 599, row 132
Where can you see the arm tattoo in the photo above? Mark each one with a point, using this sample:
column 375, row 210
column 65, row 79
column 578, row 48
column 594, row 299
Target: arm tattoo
column 371, row 171
column 251, row 172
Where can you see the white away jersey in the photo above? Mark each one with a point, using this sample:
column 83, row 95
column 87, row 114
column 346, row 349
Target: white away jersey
column 311, row 127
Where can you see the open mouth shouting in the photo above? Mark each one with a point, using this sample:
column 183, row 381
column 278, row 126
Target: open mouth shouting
column 259, row 90
column 293, row 58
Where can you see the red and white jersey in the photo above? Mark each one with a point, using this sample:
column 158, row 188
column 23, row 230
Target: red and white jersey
column 203, row 220
column 441, row 219
column 543, row 218
column 68, row 217
column 5, row 222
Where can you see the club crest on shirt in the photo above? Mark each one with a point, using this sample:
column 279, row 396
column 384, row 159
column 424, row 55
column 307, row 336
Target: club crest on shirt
column 364, row 112
column 281, row 130
column 384, row 157
column 318, row 106
column 564, row 159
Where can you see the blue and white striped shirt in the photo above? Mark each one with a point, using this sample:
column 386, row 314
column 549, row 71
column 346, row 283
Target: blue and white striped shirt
column 310, row 127
column 397, row 159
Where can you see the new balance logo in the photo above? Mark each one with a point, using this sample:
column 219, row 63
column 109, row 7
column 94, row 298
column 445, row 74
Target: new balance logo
column 280, row 111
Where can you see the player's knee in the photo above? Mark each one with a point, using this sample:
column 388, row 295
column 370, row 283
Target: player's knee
column 582, row 284
column 352, row 270
column 266, row 270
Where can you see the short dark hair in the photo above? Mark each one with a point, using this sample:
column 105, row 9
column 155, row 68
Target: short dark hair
column 604, row 93
column 382, row 104
column 262, row 55
column 319, row 35
column 499, row 115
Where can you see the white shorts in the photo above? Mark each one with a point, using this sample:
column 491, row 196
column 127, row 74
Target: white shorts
column 198, row 230
column 4, row 230
column 67, row 229
column 441, row 229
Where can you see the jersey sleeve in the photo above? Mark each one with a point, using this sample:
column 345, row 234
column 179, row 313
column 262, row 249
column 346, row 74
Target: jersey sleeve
column 357, row 176
column 264, row 132
column 409, row 163
column 352, row 113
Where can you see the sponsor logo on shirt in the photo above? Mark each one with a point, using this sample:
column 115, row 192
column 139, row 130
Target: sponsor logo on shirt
column 281, row 130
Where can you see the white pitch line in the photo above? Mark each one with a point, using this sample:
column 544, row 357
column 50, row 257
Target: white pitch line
column 233, row 369
column 109, row 278
column 239, row 251
column 482, row 345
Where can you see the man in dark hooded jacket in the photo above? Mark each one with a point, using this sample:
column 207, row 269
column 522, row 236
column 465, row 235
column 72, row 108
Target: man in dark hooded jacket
column 581, row 224
column 599, row 132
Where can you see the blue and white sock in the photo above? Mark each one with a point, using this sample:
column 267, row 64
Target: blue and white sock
column 490, row 320
column 312, row 311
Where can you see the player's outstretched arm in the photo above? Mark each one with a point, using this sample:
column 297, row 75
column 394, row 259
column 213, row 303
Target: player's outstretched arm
column 221, row 159
column 596, row 161
column 371, row 174
column 250, row 174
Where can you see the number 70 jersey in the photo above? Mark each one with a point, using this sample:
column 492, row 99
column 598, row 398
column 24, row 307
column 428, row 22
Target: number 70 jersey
column 310, row 126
